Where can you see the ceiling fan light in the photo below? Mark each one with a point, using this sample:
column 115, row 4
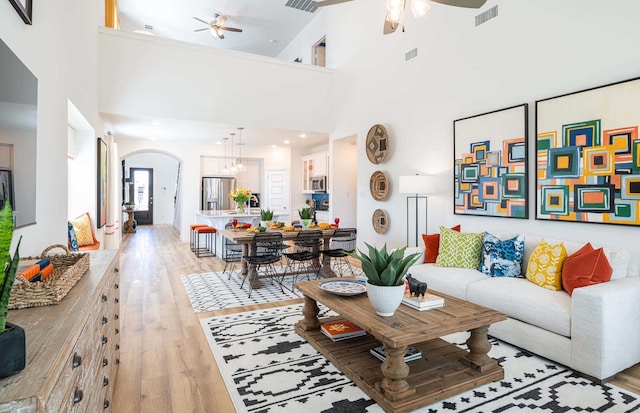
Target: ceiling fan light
column 395, row 8
column 215, row 32
column 420, row 7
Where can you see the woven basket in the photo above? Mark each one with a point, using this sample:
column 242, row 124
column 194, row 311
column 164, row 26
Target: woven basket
column 67, row 270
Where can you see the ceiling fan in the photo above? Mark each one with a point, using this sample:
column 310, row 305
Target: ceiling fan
column 395, row 9
column 216, row 26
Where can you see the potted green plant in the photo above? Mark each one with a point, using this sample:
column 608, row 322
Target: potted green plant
column 12, row 338
column 385, row 276
column 305, row 217
column 266, row 218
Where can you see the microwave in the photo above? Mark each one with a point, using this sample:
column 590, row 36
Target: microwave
column 319, row 183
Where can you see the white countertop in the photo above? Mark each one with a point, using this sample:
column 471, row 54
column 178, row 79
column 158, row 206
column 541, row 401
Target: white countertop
column 232, row 214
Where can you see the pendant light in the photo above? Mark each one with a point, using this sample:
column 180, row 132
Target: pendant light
column 233, row 168
column 239, row 165
column 225, row 170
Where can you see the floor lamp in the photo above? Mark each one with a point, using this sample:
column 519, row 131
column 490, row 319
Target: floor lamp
column 418, row 186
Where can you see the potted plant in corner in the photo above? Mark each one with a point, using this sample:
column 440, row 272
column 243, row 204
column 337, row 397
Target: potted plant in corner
column 385, row 276
column 266, row 218
column 12, row 339
column 305, row 217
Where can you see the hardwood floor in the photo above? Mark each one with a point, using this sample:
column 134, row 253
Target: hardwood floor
column 166, row 364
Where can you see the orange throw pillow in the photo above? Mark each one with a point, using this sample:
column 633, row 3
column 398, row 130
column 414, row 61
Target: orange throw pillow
column 587, row 266
column 432, row 245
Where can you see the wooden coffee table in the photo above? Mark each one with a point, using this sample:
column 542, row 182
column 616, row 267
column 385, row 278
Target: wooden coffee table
column 444, row 369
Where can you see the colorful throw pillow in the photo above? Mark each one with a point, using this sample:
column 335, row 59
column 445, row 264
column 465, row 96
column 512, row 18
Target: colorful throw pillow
column 587, row 266
column 73, row 240
column 432, row 245
column 459, row 249
column 545, row 265
column 84, row 232
column 502, row 258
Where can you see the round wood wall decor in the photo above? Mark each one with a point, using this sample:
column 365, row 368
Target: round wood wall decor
column 379, row 186
column 380, row 221
column 377, row 144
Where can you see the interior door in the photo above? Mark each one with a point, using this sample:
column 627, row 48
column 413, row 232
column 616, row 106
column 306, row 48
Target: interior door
column 277, row 195
column 141, row 192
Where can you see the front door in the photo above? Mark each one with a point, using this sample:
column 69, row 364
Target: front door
column 277, row 196
column 141, row 192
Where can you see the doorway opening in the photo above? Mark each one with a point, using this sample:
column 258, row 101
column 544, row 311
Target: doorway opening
column 320, row 52
column 141, row 194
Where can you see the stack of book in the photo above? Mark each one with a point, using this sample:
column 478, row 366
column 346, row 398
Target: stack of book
column 428, row 302
column 411, row 354
column 341, row 330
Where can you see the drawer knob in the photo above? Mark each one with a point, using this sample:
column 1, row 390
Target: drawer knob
column 117, row 347
column 117, row 331
column 104, row 320
column 117, row 300
column 105, row 382
column 77, row 361
column 77, row 396
column 116, row 270
column 106, row 404
column 104, row 298
column 116, row 317
column 104, row 340
column 105, row 362
column 116, row 286
column 117, row 361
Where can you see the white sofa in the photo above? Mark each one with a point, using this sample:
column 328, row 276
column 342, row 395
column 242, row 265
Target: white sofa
column 595, row 331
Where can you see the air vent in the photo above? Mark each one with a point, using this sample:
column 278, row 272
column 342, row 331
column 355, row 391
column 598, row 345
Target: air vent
column 487, row 15
column 411, row 54
column 304, row 5
column 148, row 27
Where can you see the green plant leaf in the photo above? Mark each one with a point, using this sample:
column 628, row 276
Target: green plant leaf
column 6, row 235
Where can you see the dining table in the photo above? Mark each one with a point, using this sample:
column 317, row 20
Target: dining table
column 245, row 238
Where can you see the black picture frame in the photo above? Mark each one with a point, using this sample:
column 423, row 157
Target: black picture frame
column 490, row 171
column 24, row 9
column 102, row 183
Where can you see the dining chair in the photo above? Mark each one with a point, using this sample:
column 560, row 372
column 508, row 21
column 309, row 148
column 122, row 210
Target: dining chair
column 231, row 253
column 268, row 251
column 305, row 260
column 343, row 242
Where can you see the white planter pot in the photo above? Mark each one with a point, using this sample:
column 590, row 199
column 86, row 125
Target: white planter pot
column 385, row 299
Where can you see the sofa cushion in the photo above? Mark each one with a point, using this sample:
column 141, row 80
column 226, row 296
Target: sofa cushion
column 545, row 265
column 459, row 249
column 587, row 266
column 73, row 240
column 451, row 281
column 524, row 301
column 432, row 245
column 502, row 258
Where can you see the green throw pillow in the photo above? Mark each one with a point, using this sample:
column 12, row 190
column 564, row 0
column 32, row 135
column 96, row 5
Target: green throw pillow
column 459, row 249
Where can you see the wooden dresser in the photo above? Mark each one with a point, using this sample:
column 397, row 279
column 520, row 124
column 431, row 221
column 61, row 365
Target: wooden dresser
column 72, row 347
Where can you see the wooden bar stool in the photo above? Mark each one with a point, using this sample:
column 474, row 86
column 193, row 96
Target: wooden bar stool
column 210, row 241
column 192, row 233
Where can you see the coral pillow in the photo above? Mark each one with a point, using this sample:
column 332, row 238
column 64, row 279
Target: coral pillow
column 432, row 245
column 545, row 265
column 84, row 231
column 459, row 249
column 587, row 266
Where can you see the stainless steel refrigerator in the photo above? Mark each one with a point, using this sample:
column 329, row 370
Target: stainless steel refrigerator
column 214, row 192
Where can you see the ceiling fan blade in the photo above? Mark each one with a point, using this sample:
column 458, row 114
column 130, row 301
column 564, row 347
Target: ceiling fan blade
column 324, row 3
column 221, row 20
column 230, row 29
column 200, row 20
column 389, row 27
column 470, row 4
column 201, row 30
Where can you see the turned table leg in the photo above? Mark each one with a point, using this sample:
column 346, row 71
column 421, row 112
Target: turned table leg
column 310, row 312
column 479, row 346
column 395, row 371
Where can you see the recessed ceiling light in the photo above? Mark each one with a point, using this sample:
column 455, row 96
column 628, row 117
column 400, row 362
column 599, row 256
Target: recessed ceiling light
column 303, row 135
column 287, row 142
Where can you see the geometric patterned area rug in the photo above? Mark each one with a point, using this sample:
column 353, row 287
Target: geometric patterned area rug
column 214, row 291
column 267, row 367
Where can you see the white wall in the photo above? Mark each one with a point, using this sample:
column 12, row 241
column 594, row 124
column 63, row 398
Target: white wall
column 302, row 46
column 165, row 174
column 532, row 50
column 344, row 181
column 60, row 50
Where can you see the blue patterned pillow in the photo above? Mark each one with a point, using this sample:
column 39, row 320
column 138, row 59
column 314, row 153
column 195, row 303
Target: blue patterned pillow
column 502, row 258
column 73, row 241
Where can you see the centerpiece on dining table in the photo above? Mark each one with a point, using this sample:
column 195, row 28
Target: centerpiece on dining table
column 241, row 197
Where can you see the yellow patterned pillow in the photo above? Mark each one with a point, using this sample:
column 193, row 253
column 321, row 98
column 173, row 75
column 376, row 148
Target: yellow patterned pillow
column 84, row 232
column 545, row 265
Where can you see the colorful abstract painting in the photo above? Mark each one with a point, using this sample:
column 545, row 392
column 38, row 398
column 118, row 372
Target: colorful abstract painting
column 490, row 164
column 588, row 155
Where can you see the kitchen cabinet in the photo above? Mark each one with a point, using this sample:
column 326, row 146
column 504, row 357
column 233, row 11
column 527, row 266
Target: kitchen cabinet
column 314, row 165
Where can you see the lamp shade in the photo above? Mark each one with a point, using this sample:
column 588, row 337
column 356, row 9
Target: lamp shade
column 416, row 184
